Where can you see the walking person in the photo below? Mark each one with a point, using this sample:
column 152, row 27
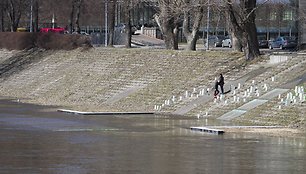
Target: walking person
column 221, row 83
column 216, row 88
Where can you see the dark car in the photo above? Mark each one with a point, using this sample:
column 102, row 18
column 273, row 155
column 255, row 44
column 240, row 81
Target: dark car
column 262, row 42
column 215, row 40
column 283, row 42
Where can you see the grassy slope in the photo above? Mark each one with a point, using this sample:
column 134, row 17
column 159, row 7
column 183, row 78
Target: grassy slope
column 87, row 80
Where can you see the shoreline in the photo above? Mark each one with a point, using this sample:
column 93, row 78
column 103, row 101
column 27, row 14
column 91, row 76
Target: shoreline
column 272, row 131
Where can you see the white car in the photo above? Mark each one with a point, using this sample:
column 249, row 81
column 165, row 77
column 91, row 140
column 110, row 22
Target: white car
column 227, row 42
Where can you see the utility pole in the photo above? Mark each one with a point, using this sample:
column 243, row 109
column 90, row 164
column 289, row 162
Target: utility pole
column 31, row 17
column 208, row 18
column 106, row 22
column 53, row 21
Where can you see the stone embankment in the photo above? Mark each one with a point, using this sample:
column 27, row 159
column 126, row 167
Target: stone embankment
column 163, row 81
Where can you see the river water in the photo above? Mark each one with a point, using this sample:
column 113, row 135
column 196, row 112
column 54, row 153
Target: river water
column 35, row 139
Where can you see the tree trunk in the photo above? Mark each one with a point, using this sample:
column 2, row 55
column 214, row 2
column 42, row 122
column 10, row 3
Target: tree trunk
column 2, row 16
column 192, row 36
column 175, row 37
column 112, row 22
column 127, row 20
column 192, row 42
column 71, row 26
column 236, row 43
column 244, row 27
column 14, row 14
column 168, row 36
column 168, row 25
column 253, row 48
column 36, row 15
column 77, row 16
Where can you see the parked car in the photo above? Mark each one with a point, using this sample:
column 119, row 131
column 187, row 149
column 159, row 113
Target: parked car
column 214, row 40
column 21, row 30
column 84, row 33
column 59, row 30
column 283, row 42
column 121, row 28
column 227, row 42
column 262, row 42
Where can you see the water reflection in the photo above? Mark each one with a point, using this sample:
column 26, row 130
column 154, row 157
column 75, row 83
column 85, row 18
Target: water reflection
column 30, row 142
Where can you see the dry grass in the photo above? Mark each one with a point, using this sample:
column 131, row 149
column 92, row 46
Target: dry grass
column 87, row 80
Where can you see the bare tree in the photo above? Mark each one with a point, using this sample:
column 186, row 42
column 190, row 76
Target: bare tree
column 192, row 9
column 75, row 16
column 3, row 7
column 127, row 20
column 128, row 6
column 35, row 15
column 15, row 8
column 242, row 17
column 112, row 15
column 168, row 20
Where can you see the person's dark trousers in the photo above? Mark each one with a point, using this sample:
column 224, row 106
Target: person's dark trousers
column 222, row 90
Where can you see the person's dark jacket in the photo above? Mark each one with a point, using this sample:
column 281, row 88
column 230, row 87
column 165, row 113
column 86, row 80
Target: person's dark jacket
column 221, row 80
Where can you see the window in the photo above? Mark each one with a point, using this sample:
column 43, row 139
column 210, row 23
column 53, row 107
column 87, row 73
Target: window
column 288, row 15
column 273, row 16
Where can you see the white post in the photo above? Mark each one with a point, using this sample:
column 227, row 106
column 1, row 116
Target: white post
column 181, row 98
column 280, row 107
column 296, row 90
column 173, row 99
column 235, row 98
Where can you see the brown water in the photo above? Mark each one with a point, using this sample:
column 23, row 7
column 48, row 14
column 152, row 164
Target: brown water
column 35, row 141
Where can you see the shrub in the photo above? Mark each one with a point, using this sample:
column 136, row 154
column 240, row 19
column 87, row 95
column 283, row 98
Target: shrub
column 49, row 41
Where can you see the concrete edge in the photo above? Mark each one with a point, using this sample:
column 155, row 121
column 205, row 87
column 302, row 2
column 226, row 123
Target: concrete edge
column 103, row 113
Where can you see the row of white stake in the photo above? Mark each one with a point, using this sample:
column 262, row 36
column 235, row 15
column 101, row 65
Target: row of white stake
column 202, row 92
column 186, row 95
column 246, row 94
column 293, row 98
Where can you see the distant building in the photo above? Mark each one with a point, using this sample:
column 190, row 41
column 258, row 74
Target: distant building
column 275, row 19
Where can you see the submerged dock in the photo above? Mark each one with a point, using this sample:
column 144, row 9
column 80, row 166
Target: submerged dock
column 208, row 130
column 104, row 113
